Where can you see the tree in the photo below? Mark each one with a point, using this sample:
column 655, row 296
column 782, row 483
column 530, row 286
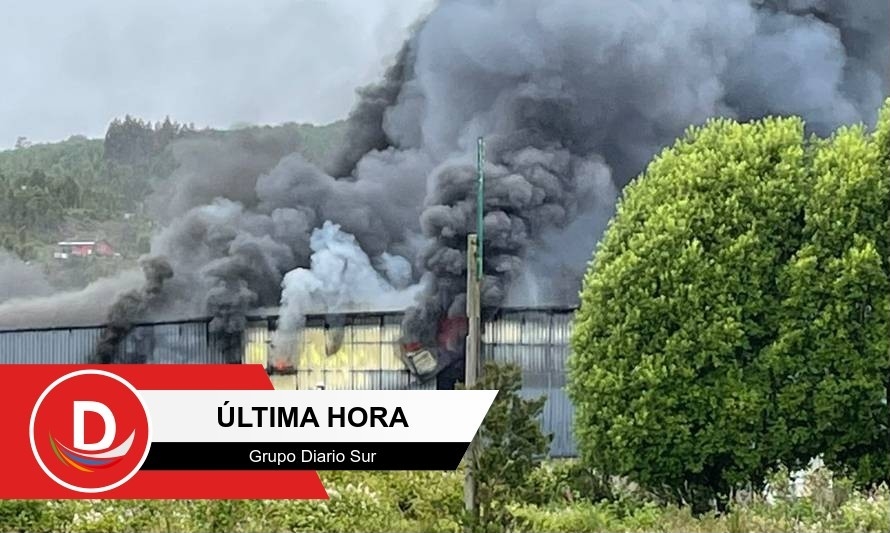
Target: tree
column 510, row 446
column 740, row 269
column 38, row 179
column 830, row 361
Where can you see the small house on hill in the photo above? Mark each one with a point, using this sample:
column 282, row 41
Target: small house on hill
column 67, row 249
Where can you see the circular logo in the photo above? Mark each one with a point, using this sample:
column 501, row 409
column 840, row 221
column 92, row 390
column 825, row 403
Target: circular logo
column 90, row 431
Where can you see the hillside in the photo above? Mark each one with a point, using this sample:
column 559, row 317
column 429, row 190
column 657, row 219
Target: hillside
column 90, row 189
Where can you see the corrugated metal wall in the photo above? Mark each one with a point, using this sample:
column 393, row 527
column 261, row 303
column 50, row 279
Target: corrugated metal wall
column 347, row 352
column 162, row 343
column 355, row 352
column 538, row 342
column 56, row 346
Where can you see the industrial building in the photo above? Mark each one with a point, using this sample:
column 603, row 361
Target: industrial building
column 343, row 351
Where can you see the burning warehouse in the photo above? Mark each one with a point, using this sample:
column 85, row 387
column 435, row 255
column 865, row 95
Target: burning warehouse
column 360, row 350
column 573, row 103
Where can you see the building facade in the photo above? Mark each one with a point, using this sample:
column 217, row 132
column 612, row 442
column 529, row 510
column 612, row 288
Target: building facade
column 69, row 249
column 348, row 351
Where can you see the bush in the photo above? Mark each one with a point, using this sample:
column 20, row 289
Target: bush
column 564, row 481
column 375, row 501
column 735, row 314
column 575, row 518
column 510, row 447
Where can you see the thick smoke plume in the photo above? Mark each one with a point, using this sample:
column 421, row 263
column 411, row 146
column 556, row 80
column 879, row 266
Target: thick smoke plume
column 573, row 98
column 341, row 276
column 132, row 304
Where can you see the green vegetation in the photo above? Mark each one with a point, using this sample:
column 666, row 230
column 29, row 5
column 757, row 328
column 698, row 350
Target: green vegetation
column 734, row 319
column 432, row 501
column 510, row 446
column 96, row 188
column 735, row 315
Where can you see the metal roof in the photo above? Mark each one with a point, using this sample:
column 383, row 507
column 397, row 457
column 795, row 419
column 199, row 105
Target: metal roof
column 271, row 313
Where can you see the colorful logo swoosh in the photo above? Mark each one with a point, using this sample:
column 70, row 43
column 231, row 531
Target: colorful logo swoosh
column 86, row 462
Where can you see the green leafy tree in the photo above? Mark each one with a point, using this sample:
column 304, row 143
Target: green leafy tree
column 831, row 361
column 510, row 446
column 740, row 270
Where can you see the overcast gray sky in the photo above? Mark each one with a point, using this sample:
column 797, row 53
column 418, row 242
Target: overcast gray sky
column 71, row 66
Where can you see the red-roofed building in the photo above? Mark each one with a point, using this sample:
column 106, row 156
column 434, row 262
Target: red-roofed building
column 67, row 249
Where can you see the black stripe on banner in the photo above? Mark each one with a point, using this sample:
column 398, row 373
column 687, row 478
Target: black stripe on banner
column 305, row 456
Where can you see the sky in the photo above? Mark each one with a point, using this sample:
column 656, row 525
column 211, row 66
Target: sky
column 71, row 67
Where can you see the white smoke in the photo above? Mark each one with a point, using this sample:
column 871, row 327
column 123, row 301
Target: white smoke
column 342, row 278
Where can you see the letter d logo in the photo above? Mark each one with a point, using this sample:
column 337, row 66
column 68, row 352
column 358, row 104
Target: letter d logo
column 80, row 409
column 90, row 431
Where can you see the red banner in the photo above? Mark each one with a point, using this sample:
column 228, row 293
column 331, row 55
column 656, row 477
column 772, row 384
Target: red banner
column 51, row 452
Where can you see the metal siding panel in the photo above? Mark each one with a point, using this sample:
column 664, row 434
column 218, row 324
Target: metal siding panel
column 311, row 349
column 342, row 359
column 561, row 327
column 214, row 342
column 427, row 385
column 288, row 382
column 256, row 345
column 178, row 344
column 535, row 328
column 390, row 350
column 16, row 348
column 366, row 354
column 559, row 421
column 368, row 359
column 395, row 380
column 392, row 329
column 197, row 336
column 364, row 380
column 502, row 353
column 336, row 379
column 63, row 346
column 390, row 357
column 165, row 346
column 559, row 357
column 538, row 343
column 308, row 379
column 536, row 358
column 364, row 330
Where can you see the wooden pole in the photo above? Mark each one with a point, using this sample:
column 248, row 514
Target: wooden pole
column 474, row 340
column 472, row 365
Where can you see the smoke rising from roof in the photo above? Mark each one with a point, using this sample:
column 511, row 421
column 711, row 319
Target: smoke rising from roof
column 573, row 98
column 340, row 276
column 130, row 305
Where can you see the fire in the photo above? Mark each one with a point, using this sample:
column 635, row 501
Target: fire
column 280, row 364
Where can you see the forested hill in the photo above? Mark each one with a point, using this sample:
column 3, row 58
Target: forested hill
column 90, row 189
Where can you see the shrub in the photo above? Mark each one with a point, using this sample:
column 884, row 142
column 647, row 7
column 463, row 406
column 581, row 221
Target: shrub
column 510, row 446
column 735, row 314
column 373, row 501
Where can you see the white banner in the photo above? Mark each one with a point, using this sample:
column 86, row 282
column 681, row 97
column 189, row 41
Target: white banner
column 316, row 415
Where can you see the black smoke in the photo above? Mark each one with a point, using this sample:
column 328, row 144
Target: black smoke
column 573, row 98
column 130, row 305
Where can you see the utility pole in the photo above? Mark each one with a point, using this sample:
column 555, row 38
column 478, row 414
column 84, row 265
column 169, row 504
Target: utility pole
column 480, row 204
column 474, row 313
column 472, row 367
